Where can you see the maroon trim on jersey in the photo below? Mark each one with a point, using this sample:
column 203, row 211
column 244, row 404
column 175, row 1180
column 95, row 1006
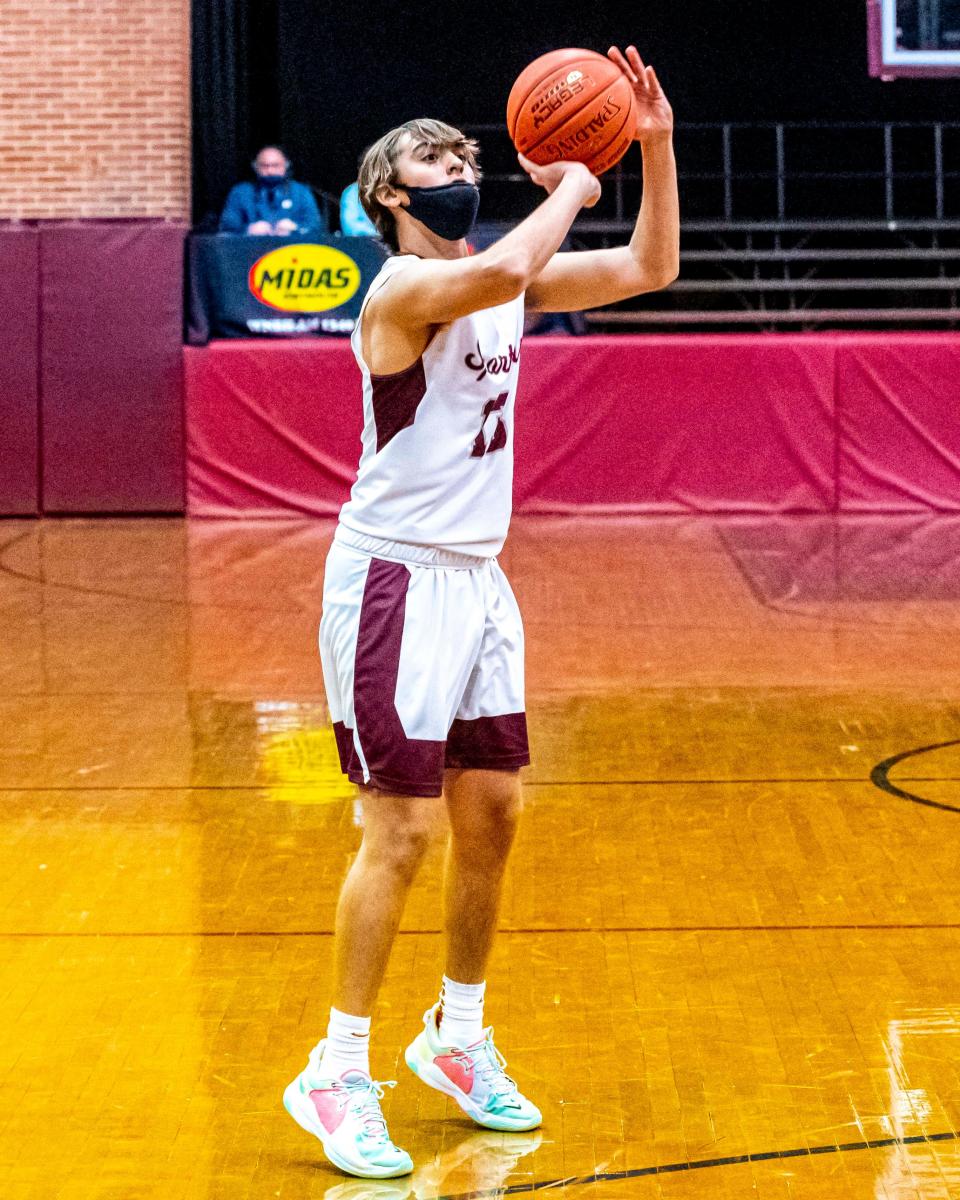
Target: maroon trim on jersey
column 489, row 743
column 396, row 763
column 396, row 399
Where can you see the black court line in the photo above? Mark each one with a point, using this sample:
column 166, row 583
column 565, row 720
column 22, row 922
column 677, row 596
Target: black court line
column 729, row 782
column 685, row 782
column 880, row 777
column 853, row 927
column 539, row 783
column 732, row 1160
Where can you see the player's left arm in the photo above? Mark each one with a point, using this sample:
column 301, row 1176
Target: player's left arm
column 591, row 278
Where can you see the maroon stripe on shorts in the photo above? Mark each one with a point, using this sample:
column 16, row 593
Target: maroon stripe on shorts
column 349, row 763
column 396, row 399
column 489, row 743
column 395, row 762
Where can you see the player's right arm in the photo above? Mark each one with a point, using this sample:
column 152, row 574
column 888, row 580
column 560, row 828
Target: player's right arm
column 435, row 291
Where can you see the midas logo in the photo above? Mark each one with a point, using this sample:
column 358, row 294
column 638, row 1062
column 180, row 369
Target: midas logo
column 304, row 278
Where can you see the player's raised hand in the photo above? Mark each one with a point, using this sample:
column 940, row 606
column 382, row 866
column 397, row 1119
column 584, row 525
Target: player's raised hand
column 551, row 176
column 654, row 114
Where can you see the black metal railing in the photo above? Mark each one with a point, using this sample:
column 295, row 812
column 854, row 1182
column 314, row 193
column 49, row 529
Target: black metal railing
column 778, row 174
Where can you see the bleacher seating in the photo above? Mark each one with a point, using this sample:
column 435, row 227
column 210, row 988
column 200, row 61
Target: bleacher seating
column 772, row 239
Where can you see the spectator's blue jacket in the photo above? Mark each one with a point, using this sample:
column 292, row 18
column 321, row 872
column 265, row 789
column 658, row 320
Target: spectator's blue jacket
column 249, row 202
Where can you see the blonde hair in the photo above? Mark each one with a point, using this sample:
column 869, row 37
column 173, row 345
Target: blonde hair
column 379, row 166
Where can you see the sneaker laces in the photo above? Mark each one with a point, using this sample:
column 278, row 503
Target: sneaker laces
column 365, row 1097
column 489, row 1066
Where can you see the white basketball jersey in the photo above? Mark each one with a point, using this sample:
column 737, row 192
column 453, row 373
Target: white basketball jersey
column 436, row 468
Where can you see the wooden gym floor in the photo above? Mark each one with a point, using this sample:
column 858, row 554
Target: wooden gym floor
column 730, row 958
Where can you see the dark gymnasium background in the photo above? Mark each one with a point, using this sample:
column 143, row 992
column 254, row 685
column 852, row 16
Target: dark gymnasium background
column 326, row 79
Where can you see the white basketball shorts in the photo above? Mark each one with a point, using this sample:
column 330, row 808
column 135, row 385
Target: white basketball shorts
column 422, row 654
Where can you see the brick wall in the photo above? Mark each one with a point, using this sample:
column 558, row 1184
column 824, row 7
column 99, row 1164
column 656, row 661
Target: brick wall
column 95, row 108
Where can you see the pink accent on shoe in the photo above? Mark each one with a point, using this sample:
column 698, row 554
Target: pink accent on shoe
column 457, row 1070
column 329, row 1109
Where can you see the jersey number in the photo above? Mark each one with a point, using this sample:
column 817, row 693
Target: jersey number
column 484, row 443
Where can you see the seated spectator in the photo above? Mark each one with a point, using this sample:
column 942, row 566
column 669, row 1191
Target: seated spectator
column 354, row 222
column 274, row 204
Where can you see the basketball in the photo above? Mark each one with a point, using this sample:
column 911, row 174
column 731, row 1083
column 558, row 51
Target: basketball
column 575, row 105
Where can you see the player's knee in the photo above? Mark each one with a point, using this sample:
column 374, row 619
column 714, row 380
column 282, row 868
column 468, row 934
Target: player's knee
column 402, row 848
column 502, row 804
column 504, row 827
column 490, row 832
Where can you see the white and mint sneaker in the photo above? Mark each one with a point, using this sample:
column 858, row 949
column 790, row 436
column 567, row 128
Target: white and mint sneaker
column 474, row 1077
column 345, row 1115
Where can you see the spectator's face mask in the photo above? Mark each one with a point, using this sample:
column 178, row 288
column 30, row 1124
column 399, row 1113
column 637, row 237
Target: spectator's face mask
column 449, row 211
column 271, row 169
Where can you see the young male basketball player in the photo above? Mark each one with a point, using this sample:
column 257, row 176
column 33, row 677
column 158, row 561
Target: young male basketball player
column 421, row 640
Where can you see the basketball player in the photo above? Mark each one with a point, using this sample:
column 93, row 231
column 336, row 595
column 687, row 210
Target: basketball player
column 420, row 639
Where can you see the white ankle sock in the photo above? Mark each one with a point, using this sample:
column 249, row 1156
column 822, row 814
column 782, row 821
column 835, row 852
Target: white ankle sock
column 461, row 1013
column 348, row 1045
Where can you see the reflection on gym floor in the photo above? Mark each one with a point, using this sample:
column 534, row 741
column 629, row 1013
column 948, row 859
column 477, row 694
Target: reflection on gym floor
column 732, row 930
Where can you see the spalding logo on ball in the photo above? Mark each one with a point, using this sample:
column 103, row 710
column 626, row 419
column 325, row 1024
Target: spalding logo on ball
column 575, row 105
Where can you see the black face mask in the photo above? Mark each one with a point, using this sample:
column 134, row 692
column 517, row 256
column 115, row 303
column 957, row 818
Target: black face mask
column 271, row 181
column 449, row 211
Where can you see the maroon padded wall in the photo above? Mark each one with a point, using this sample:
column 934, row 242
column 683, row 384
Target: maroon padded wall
column 899, row 422
column 19, row 333
column 830, row 422
column 111, row 367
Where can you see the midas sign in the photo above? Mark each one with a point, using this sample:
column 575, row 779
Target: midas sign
column 304, row 278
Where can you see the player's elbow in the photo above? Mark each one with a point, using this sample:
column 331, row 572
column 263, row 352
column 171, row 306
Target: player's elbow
column 665, row 277
column 650, row 272
column 657, row 276
column 511, row 280
column 506, row 276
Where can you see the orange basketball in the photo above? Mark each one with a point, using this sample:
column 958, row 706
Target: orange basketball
column 572, row 104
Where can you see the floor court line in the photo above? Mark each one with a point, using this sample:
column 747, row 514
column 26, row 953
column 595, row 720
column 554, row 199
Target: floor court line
column 880, row 777
column 732, row 1160
column 540, row 783
column 547, row 929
